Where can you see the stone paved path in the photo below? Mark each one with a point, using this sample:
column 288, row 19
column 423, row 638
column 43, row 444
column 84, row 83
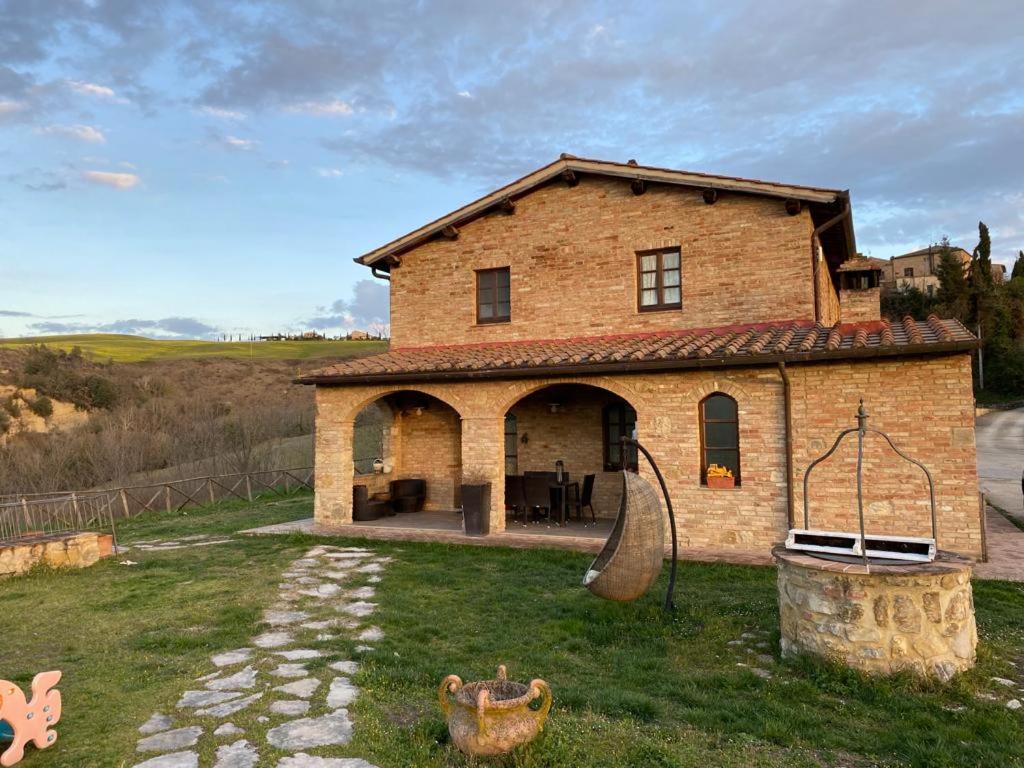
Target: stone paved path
column 291, row 686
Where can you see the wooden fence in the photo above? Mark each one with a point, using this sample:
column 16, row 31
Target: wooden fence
column 59, row 512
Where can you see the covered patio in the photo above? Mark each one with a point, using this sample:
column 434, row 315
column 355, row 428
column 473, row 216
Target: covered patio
column 558, row 472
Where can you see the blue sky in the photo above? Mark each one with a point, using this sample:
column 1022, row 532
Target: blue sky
column 191, row 169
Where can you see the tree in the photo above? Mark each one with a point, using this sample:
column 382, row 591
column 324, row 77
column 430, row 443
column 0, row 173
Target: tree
column 1018, row 266
column 954, row 291
column 908, row 300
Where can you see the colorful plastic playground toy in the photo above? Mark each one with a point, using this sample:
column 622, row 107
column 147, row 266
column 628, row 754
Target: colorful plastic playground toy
column 27, row 721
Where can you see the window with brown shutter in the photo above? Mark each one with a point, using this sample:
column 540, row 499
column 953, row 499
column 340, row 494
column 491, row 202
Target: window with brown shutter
column 493, row 295
column 659, row 280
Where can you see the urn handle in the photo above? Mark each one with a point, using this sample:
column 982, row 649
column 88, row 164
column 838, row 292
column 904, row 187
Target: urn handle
column 539, row 688
column 483, row 701
column 450, row 684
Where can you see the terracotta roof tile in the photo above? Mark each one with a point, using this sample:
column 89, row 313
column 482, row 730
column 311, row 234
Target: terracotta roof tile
column 706, row 347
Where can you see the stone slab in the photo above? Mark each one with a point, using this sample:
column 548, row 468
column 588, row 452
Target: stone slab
column 241, row 754
column 205, row 698
column 229, row 708
column 170, row 740
column 244, row 679
column 174, row 760
column 228, row 658
column 301, row 688
column 156, row 723
column 341, row 693
column 310, row 732
column 290, row 707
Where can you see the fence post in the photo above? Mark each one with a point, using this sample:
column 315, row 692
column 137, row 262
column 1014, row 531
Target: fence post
column 124, row 503
column 78, row 512
column 248, row 486
column 25, row 515
column 167, row 497
column 209, row 488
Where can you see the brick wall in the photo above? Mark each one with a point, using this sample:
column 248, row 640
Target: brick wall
column 431, row 449
column 860, row 306
column 573, row 265
column 927, row 407
column 748, row 518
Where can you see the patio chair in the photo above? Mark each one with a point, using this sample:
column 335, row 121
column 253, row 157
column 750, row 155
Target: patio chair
column 578, row 500
column 365, row 507
column 538, row 492
column 408, row 495
column 515, row 496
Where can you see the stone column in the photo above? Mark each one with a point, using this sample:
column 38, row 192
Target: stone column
column 333, row 471
column 483, row 460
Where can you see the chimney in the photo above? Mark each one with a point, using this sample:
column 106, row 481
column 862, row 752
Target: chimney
column 860, row 297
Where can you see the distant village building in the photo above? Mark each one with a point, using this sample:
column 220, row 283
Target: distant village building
column 917, row 269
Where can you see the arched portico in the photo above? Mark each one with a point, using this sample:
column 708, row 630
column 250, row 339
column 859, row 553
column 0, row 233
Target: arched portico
column 579, row 424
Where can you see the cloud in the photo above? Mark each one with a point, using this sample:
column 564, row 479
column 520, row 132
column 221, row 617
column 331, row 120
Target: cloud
column 331, row 107
column 39, row 180
column 234, row 143
column 97, row 91
column 368, row 307
column 168, row 327
column 112, row 179
column 329, row 173
column 222, row 114
column 12, row 313
column 917, row 111
column 11, row 107
column 80, row 132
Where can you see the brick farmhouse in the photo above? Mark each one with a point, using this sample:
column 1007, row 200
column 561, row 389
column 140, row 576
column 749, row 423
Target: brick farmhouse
column 728, row 321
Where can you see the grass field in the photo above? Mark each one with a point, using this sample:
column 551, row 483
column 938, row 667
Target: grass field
column 632, row 688
column 131, row 349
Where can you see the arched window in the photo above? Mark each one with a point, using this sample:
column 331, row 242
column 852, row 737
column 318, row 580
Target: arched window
column 719, row 435
column 619, row 421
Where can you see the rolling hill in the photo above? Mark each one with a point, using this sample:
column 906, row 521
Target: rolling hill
column 122, row 348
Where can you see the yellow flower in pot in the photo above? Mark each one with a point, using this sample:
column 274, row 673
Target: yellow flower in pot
column 720, row 477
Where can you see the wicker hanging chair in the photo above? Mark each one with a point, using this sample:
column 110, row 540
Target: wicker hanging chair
column 631, row 559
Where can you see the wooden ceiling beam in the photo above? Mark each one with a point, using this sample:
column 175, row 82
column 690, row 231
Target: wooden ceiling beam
column 639, row 186
column 450, row 232
column 569, row 177
column 710, row 195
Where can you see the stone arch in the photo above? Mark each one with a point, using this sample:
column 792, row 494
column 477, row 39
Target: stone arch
column 579, row 432
column 521, row 390
column 370, row 396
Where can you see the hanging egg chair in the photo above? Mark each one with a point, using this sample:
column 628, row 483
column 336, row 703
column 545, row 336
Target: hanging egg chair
column 631, row 559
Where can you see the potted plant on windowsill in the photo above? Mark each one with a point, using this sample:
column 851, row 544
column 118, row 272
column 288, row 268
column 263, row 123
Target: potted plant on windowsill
column 720, row 477
column 476, row 505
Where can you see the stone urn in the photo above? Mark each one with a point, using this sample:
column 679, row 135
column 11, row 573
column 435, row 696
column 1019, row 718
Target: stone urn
column 492, row 717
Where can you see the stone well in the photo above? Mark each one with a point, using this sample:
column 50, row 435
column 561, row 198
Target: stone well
column 915, row 616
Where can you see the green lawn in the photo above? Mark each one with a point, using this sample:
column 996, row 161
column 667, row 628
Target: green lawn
column 130, row 349
column 632, row 687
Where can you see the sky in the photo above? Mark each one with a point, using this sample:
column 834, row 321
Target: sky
column 197, row 169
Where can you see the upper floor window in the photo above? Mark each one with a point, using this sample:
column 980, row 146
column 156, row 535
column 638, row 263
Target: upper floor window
column 659, row 279
column 908, row 271
column 493, row 295
column 719, row 435
column 619, row 422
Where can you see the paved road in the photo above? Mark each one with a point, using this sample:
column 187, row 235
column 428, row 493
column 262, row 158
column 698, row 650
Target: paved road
column 1000, row 437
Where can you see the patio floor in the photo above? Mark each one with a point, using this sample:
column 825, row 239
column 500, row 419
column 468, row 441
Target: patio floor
column 446, row 527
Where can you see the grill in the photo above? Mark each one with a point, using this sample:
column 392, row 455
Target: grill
column 861, row 546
